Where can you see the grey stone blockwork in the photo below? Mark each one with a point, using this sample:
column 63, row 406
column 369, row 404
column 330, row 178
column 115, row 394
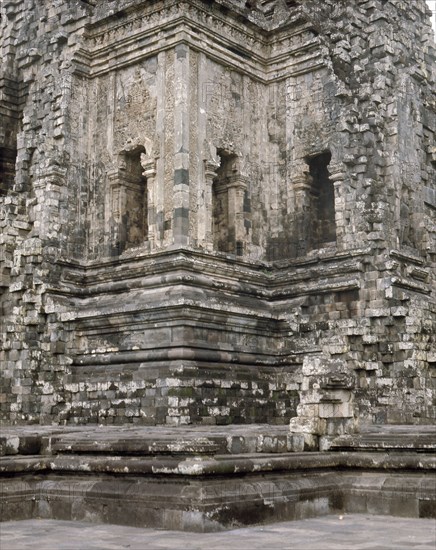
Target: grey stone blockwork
column 218, row 212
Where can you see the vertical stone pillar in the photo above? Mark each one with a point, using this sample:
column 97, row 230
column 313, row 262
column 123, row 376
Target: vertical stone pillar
column 120, row 186
column 160, row 194
column 236, row 188
column 181, row 146
column 117, row 205
column 301, row 186
column 149, row 167
column 337, row 177
column 205, row 211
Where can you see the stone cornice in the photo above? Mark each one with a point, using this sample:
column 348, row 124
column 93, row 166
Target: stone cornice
column 197, row 269
column 108, row 46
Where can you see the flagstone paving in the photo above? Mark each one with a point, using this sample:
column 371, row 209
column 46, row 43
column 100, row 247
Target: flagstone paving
column 348, row 532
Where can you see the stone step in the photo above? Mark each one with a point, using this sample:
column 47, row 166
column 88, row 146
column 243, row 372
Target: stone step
column 155, row 440
column 420, row 439
column 195, row 465
column 198, row 440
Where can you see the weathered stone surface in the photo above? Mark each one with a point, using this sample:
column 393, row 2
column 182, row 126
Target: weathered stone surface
column 198, row 479
column 209, row 210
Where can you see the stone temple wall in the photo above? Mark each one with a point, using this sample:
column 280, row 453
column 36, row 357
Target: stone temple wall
column 218, row 212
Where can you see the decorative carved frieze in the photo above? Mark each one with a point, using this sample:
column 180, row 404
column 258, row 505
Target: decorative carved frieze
column 241, row 46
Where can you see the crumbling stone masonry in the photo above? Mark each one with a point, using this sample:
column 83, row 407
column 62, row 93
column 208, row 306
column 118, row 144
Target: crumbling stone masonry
column 218, row 212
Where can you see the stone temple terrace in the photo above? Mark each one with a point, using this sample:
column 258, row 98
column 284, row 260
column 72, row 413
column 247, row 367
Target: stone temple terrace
column 217, row 260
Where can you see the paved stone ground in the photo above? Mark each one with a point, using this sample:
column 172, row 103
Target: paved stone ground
column 348, row 532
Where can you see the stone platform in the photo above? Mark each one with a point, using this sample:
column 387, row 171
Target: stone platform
column 211, row 478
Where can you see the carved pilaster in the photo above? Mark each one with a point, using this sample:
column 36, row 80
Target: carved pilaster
column 205, row 210
column 337, row 176
column 236, row 187
column 149, row 171
column 301, row 182
column 337, row 173
column 116, row 194
column 301, row 185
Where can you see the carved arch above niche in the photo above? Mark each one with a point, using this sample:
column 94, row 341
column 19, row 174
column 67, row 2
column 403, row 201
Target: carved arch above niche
column 138, row 142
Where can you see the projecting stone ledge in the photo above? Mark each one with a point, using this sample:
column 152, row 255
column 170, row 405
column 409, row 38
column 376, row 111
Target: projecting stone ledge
column 199, row 440
column 216, row 465
column 145, row 440
column 420, row 439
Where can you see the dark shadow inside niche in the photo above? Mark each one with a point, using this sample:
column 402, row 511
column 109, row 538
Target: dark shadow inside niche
column 322, row 201
column 134, row 211
column 8, row 158
column 222, row 229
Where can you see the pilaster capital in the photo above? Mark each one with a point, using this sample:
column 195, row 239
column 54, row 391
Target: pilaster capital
column 210, row 168
column 337, row 171
column 237, row 181
column 301, row 181
column 149, row 166
column 113, row 176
